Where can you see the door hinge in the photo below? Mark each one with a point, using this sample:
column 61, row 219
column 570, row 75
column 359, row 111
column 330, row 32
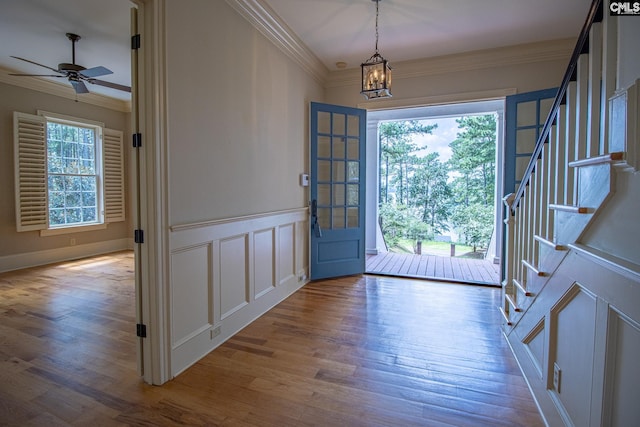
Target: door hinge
column 137, row 140
column 138, row 236
column 135, row 41
column 141, row 330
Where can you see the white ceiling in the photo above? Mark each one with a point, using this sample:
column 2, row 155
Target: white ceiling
column 334, row 30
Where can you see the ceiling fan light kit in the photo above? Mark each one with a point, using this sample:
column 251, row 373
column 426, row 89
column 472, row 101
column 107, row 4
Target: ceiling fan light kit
column 376, row 72
column 76, row 74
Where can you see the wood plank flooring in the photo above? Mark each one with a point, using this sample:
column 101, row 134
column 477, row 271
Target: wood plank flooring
column 463, row 270
column 355, row 351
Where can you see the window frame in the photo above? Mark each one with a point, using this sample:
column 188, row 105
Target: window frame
column 97, row 127
column 31, row 173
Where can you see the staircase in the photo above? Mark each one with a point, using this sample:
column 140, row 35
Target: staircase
column 571, row 292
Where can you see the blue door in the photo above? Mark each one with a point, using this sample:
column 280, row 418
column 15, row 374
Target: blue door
column 524, row 119
column 338, row 136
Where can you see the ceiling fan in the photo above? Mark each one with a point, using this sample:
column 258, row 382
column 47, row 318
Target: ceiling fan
column 77, row 74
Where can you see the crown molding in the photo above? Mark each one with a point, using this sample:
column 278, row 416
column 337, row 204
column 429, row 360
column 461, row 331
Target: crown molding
column 269, row 24
column 63, row 91
column 469, row 61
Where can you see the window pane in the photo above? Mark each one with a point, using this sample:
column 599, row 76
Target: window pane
column 324, row 147
column 338, row 171
column 352, row 194
column 352, row 148
column 324, row 170
column 353, row 126
column 338, row 148
column 324, row 194
column 56, row 216
column 526, row 140
column 338, row 218
column 324, row 122
column 353, row 171
column 324, row 218
column 352, row 217
column 338, row 195
column 88, row 214
column 339, row 124
column 73, row 215
column 73, row 183
column 527, row 113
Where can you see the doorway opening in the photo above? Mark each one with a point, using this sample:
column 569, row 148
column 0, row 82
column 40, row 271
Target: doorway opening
column 436, row 211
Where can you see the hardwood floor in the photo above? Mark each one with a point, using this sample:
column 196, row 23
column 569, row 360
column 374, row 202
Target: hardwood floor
column 355, row 351
column 463, row 270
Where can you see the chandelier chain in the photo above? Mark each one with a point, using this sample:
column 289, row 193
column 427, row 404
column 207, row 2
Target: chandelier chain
column 377, row 10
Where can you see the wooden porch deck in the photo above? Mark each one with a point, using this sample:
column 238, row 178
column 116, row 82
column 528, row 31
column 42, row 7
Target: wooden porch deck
column 464, row 270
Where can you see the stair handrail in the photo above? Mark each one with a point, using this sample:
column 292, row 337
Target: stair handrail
column 582, row 45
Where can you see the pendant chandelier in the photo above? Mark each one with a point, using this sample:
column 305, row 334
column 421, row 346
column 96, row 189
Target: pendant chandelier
column 376, row 72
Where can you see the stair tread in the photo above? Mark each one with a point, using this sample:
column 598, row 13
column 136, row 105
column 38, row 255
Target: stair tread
column 571, row 208
column 605, row 158
column 550, row 243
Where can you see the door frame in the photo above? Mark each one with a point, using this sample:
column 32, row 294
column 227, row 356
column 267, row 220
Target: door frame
column 457, row 104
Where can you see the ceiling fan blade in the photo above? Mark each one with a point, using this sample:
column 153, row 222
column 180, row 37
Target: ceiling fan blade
column 35, row 63
column 36, row 75
column 79, row 86
column 110, row 85
column 96, row 72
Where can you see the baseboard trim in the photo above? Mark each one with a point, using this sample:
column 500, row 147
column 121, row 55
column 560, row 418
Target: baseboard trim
column 49, row 256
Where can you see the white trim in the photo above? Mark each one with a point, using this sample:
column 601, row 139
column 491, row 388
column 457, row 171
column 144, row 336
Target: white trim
column 63, row 91
column 182, row 227
column 71, row 229
column 49, row 256
column 70, row 120
column 431, row 101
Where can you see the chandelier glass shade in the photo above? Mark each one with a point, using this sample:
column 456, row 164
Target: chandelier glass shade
column 376, row 72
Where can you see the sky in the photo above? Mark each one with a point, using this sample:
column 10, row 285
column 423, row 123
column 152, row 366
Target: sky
column 439, row 140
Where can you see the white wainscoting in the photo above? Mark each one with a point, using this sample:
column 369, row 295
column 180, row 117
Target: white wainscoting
column 227, row 273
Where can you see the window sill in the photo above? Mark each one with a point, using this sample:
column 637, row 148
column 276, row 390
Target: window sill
column 68, row 230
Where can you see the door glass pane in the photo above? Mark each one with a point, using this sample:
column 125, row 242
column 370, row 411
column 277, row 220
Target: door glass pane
column 338, row 218
column 526, row 140
column 338, row 171
column 324, row 218
column 521, row 166
column 324, row 147
column 353, row 171
column 353, row 126
column 324, row 122
column 338, row 195
column 324, row 194
column 526, row 115
column 352, row 194
column 338, row 124
column 352, row 217
column 545, row 107
column 353, row 147
column 324, row 170
column 338, row 148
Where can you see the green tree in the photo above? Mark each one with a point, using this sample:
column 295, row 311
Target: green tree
column 473, row 160
column 397, row 152
column 431, row 193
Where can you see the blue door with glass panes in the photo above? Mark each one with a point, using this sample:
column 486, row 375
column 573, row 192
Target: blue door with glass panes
column 337, row 189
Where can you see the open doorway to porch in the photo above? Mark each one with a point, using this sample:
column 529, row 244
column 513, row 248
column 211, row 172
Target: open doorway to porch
column 431, row 246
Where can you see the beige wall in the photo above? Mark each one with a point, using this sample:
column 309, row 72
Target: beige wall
column 512, row 72
column 14, row 98
column 237, row 117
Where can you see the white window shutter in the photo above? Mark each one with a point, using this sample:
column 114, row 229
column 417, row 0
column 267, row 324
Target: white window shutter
column 30, row 165
column 113, row 163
